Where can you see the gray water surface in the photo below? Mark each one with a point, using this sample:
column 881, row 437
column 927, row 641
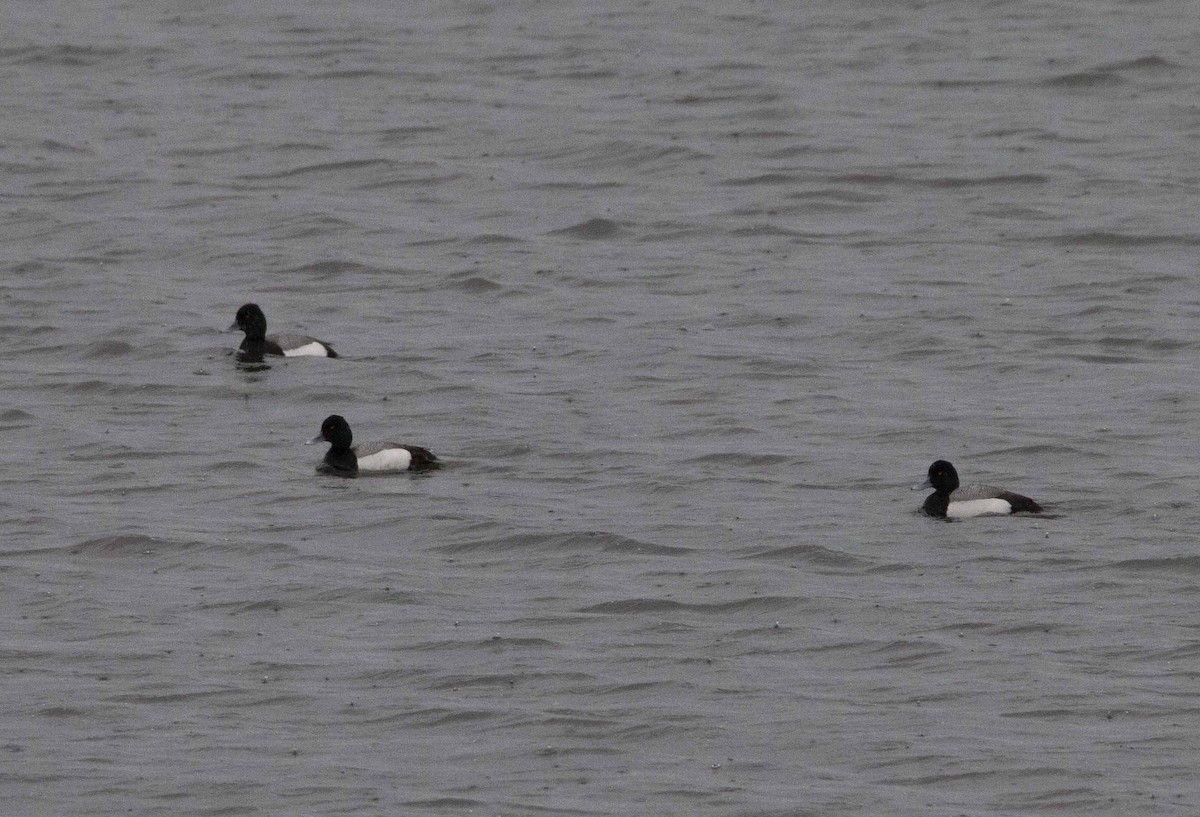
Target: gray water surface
column 685, row 297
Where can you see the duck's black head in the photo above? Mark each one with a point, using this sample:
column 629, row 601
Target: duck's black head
column 251, row 320
column 942, row 477
column 335, row 430
column 340, row 459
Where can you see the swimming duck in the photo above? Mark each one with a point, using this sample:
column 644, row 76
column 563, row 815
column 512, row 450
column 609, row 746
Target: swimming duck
column 251, row 320
column 950, row 500
column 344, row 460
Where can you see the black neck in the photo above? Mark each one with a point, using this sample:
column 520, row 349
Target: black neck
column 937, row 503
column 341, row 461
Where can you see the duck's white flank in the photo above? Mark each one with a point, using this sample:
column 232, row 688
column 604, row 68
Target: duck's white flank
column 389, row 459
column 313, row 349
column 976, row 507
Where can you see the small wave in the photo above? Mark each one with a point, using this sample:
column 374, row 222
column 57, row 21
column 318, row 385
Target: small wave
column 226, row 466
column 107, row 348
column 1149, row 345
column 180, row 697
column 25, row 168
column 341, row 597
column 293, row 147
column 1060, row 713
column 477, row 285
column 904, row 653
column 250, row 77
column 502, row 450
column 1002, row 132
column 404, row 180
column 1104, row 238
column 1180, row 564
column 570, row 751
column 1035, row 628
column 670, row 231
column 208, row 150
column 645, row 605
column 1186, row 652
column 1104, row 359
column 631, row 688
column 973, row 778
column 594, row 73
column 865, row 178
column 1072, row 139
column 1083, row 79
column 1153, row 63
column 55, row 146
column 952, row 182
column 1037, row 448
column 331, row 268
column 761, row 179
column 325, row 167
column 1078, row 800
column 201, row 202
column 127, row 544
column 804, row 150
column 405, row 133
column 72, row 55
column 576, row 186
column 354, row 73
column 627, row 156
column 496, row 238
column 735, row 459
column 453, row 804
column 430, row 717
column 942, row 182
column 769, row 230
column 116, row 389
column 811, row 554
column 839, row 196
column 591, row 230
column 591, row 541
column 501, row 641
column 297, row 227
column 967, row 83
column 504, row 679
column 60, row 712
column 708, row 99
column 238, row 607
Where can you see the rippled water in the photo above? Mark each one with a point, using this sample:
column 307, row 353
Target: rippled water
column 686, row 297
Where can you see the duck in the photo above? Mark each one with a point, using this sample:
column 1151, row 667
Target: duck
column 251, row 320
column 950, row 501
column 345, row 460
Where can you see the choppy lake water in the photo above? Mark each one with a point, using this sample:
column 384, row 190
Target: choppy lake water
column 686, row 296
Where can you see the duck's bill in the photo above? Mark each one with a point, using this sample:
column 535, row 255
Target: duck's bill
column 320, row 438
column 923, row 485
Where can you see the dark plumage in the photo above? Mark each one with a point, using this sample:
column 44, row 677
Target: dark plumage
column 949, row 499
column 345, row 460
column 251, row 320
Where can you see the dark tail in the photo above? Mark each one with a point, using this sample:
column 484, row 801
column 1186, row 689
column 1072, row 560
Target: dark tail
column 1021, row 504
column 422, row 459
